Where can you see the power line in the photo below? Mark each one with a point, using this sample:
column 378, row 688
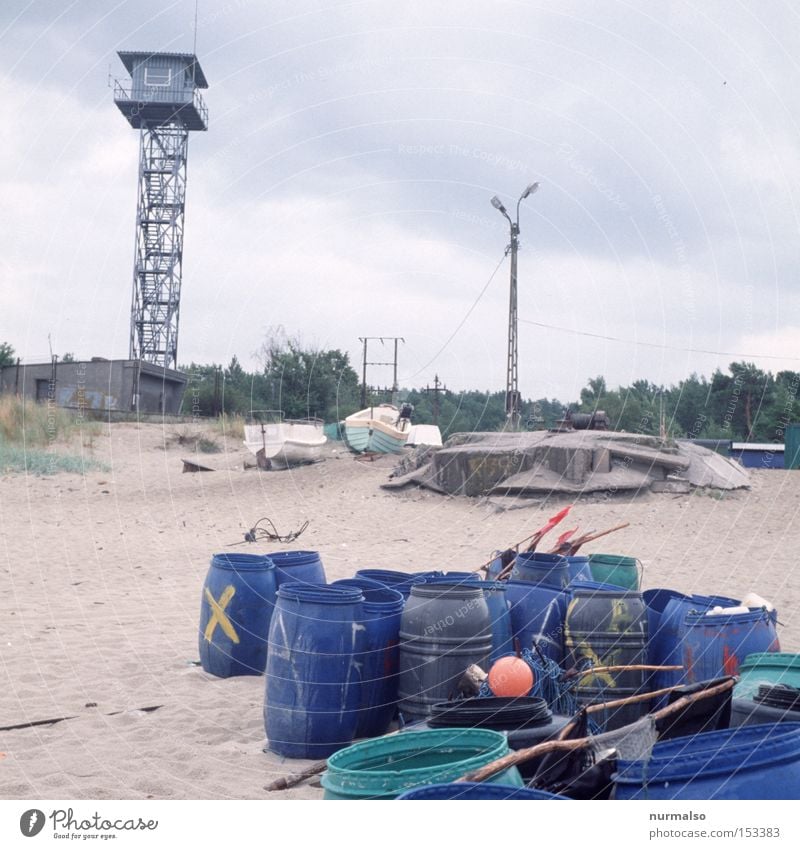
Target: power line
column 461, row 323
column 656, row 344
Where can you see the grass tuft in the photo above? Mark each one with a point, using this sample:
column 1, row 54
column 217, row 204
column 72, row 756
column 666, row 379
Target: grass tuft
column 35, row 461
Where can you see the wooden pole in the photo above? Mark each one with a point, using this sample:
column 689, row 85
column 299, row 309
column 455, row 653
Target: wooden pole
column 287, row 781
column 572, row 547
column 637, row 667
column 293, row 779
column 560, row 745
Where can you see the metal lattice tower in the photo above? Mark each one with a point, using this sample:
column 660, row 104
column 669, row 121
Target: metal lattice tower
column 162, row 101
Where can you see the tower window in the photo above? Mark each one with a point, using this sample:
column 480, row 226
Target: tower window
column 157, row 76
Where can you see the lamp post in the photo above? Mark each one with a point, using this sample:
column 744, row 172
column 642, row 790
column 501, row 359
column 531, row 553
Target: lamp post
column 512, row 365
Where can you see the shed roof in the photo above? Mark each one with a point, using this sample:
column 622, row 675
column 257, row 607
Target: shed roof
column 128, row 57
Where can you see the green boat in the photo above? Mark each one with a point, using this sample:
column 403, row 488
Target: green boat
column 380, row 430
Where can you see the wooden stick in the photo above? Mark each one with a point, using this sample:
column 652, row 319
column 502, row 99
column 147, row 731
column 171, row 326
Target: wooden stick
column 631, row 700
column 573, row 546
column 287, row 781
column 293, row 779
column 637, row 667
column 560, row 745
column 535, row 537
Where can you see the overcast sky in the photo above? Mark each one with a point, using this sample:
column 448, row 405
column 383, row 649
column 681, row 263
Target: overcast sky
column 343, row 186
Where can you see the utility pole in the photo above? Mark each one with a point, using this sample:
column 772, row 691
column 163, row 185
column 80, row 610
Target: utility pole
column 437, row 388
column 512, row 360
column 364, row 341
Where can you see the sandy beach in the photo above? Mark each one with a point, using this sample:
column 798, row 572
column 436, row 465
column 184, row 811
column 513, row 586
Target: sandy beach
column 102, row 576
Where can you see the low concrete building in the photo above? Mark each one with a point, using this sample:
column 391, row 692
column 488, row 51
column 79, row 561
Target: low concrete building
column 98, row 385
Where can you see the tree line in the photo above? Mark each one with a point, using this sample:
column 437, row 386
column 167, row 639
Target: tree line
column 744, row 403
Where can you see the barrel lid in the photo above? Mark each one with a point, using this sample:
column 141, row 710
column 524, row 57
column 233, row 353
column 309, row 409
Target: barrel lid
column 241, row 562
column 294, row 558
column 391, row 576
column 319, row 593
column 614, row 560
column 444, row 587
column 495, row 712
column 377, row 596
column 775, row 659
column 700, row 618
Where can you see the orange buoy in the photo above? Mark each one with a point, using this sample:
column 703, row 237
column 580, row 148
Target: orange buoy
column 510, row 676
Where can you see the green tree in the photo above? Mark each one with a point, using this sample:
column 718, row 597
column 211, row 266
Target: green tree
column 6, row 355
column 742, row 399
column 308, row 382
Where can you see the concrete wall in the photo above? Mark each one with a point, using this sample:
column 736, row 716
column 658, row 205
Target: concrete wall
column 98, row 385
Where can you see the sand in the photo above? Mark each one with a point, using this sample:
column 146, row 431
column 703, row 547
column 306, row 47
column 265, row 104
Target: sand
column 101, row 581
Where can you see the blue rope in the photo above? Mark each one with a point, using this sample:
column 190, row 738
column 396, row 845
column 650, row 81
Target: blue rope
column 548, row 684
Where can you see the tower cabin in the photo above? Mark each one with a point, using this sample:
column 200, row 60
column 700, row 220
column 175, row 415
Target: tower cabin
column 162, row 90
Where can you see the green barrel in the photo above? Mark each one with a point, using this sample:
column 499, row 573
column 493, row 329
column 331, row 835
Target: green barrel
column 385, row 767
column 617, row 570
column 767, row 668
column 791, row 452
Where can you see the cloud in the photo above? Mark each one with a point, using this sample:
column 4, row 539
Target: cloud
column 342, row 188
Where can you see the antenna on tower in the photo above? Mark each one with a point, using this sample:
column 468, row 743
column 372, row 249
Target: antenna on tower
column 194, row 44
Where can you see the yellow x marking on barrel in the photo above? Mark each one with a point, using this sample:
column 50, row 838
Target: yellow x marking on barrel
column 219, row 617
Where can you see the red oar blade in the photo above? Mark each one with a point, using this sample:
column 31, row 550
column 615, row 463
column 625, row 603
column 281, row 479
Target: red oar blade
column 565, row 536
column 552, row 522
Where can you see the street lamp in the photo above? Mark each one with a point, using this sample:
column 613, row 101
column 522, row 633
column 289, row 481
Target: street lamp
column 512, row 366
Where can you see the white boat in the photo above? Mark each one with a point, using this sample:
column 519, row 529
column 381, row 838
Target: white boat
column 286, row 443
column 423, row 434
column 382, row 429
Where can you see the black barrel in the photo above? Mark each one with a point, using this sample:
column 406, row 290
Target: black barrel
column 607, row 626
column 445, row 628
column 526, row 722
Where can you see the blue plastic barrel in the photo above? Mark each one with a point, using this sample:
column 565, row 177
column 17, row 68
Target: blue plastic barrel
column 449, row 577
column 235, row 609
column 313, row 692
column 656, row 601
column 469, row 790
column 396, row 580
column 537, row 615
column 749, row 762
column 495, row 567
column 717, row 645
column 382, row 609
column 495, row 593
column 552, row 570
column 666, row 613
column 578, row 567
column 298, row 567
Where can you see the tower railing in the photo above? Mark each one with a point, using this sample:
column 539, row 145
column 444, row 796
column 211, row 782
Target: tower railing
column 123, row 93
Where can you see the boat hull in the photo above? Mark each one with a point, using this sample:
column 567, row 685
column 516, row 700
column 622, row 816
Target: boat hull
column 374, row 437
column 286, row 444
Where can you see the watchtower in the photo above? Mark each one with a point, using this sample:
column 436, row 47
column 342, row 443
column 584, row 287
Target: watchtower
column 161, row 100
